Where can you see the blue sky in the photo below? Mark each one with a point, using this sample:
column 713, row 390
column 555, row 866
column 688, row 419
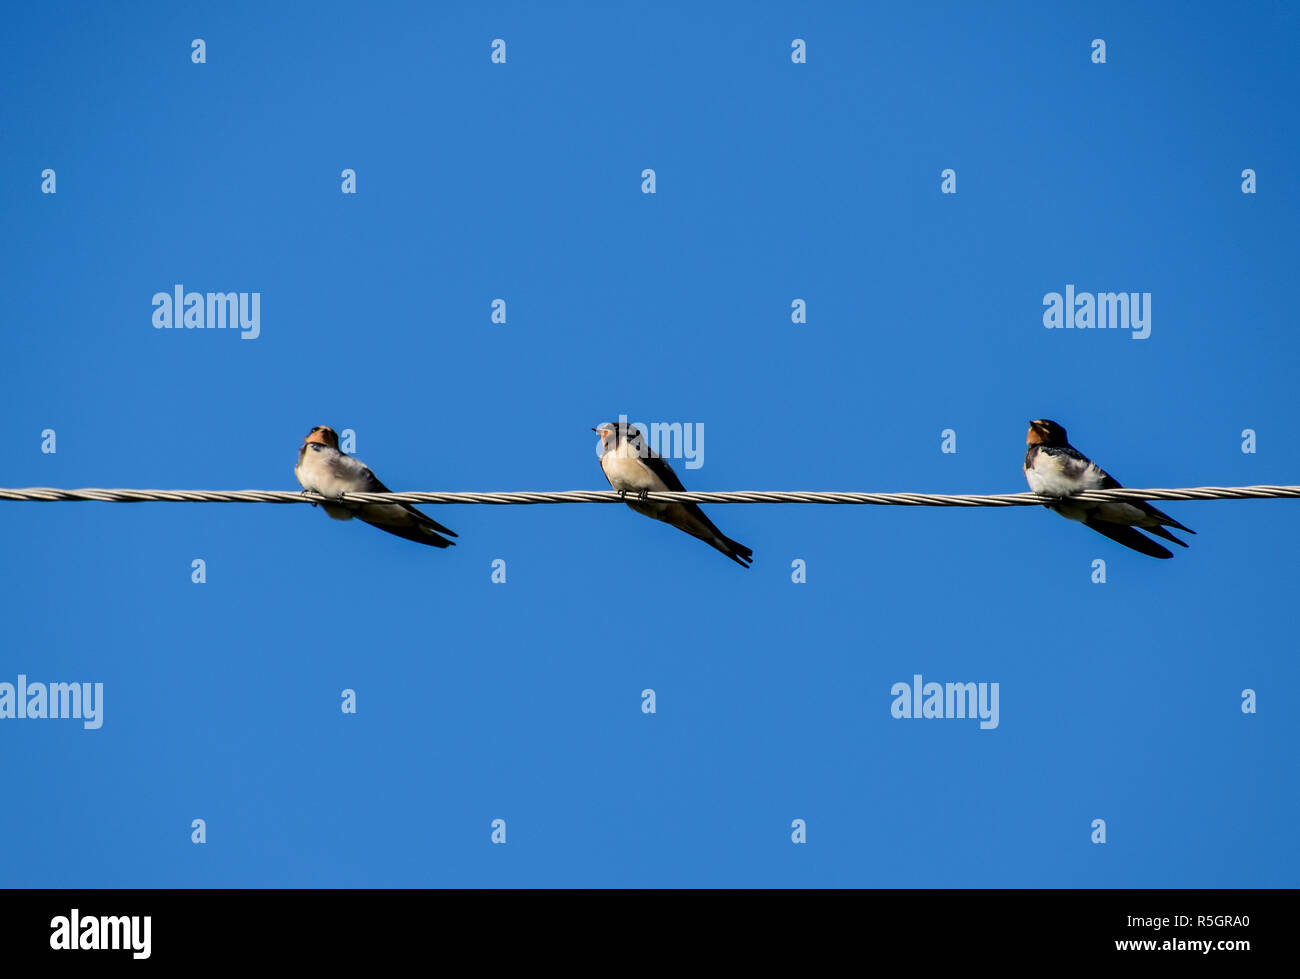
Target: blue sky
column 521, row 701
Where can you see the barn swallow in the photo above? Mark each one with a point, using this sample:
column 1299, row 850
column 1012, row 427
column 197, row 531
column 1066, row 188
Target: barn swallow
column 633, row 467
column 323, row 469
column 1053, row 467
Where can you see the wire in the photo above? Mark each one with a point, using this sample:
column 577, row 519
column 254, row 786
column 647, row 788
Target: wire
column 44, row 494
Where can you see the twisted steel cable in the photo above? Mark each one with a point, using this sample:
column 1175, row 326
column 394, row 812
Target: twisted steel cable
column 45, row 494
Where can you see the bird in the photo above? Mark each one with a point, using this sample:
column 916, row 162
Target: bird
column 1055, row 468
column 633, row 467
column 323, row 469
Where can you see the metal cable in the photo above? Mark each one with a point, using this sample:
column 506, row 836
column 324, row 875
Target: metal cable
column 45, row 494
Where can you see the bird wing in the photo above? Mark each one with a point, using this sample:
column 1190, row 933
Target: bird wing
column 658, row 465
column 375, row 514
column 690, row 518
column 1110, row 482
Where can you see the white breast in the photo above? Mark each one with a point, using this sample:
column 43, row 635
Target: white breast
column 1058, row 475
column 318, row 473
column 625, row 470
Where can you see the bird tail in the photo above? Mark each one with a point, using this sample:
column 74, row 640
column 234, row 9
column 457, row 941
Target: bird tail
column 1161, row 532
column 408, row 523
column 418, row 532
column 1164, row 518
column 735, row 550
column 1131, row 538
column 428, row 521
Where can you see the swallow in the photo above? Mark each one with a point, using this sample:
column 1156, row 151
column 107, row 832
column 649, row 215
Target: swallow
column 633, row 467
column 323, row 469
column 1053, row 467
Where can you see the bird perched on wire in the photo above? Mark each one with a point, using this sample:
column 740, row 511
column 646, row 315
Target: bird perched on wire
column 323, row 469
column 1055, row 468
column 633, row 467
